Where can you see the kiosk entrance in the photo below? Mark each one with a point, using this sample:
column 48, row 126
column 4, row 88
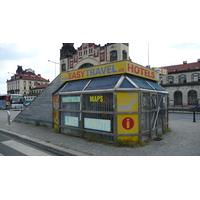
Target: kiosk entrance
column 117, row 101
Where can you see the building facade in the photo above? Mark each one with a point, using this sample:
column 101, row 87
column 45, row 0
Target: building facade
column 24, row 82
column 90, row 54
column 182, row 83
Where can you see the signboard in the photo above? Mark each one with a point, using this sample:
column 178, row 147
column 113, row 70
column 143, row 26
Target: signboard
column 110, row 69
column 71, row 121
column 127, row 101
column 97, row 124
column 71, row 99
column 161, row 71
column 127, row 123
column 55, row 116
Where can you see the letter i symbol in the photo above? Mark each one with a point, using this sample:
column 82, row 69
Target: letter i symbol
column 128, row 123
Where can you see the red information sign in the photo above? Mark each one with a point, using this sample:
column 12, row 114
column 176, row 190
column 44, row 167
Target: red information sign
column 128, row 123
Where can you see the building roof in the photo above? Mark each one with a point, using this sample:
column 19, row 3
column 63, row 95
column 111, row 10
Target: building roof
column 31, row 76
column 183, row 67
column 40, row 86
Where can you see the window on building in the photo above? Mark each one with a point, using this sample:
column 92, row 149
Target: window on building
column 124, row 53
column 170, row 79
column 113, row 55
column 192, row 97
column 182, row 78
column 63, row 67
column 195, row 77
column 178, row 96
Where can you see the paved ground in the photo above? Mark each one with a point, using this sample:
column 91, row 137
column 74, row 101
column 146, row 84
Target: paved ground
column 183, row 140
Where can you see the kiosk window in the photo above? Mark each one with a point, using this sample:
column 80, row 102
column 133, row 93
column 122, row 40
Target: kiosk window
column 156, row 86
column 75, row 85
column 126, row 84
column 103, row 83
column 98, row 102
column 141, row 83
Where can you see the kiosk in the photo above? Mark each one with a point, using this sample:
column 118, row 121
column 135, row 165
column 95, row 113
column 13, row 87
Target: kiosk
column 116, row 101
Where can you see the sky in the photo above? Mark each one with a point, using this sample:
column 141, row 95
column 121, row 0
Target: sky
column 32, row 32
column 36, row 56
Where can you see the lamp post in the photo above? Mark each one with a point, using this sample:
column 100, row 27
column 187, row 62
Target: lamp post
column 55, row 65
column 14, row 81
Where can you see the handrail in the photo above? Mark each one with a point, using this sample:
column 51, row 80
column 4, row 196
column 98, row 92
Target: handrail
column 8, row 113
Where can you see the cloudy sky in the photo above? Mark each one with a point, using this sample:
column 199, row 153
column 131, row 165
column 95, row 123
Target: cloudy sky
column 36, row 56
column 33, row 32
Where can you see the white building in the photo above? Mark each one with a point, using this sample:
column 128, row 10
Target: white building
column 24, row 81
column 182, row 83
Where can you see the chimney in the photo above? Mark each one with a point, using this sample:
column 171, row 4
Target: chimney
column 184, row 62
column 39, row 74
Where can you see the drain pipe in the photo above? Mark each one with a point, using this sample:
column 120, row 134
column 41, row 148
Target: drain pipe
column 8, row 113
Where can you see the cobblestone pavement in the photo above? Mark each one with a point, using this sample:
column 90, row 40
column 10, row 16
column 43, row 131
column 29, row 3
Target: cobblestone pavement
column 183, row 140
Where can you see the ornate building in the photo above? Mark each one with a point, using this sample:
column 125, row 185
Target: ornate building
column 90, row 54
column 24, row 81
column 182, row 83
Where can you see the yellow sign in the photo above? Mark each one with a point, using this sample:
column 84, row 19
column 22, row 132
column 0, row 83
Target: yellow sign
column 96, row 98
column 55, row 116
column 127, row 124
column 161, row 71
column 110, row 69
column 127, row 101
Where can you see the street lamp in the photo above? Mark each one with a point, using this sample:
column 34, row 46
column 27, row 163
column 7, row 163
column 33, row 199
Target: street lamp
column 55, row 65
column 14, row 81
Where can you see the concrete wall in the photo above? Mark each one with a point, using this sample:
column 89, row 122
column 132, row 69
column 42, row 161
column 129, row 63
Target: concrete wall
column 40, row 110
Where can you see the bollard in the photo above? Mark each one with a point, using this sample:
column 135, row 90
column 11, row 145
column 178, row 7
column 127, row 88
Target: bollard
column 8, row 112
column 194, row 120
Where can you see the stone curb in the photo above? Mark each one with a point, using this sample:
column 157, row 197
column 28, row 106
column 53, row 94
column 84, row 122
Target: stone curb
column 46, row 145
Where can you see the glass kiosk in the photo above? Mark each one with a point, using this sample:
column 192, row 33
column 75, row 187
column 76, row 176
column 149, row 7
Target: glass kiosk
column 116, row 101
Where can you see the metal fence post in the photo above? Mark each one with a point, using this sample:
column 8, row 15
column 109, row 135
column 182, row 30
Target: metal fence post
column 194, row 120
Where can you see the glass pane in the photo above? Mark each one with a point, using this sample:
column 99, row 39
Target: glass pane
column 141, row 83
column 156, row 86
column 75, row 85
column 145, row 101
column 108, row 82
column 70, row 102
column 98, row 102
column 126, row 84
